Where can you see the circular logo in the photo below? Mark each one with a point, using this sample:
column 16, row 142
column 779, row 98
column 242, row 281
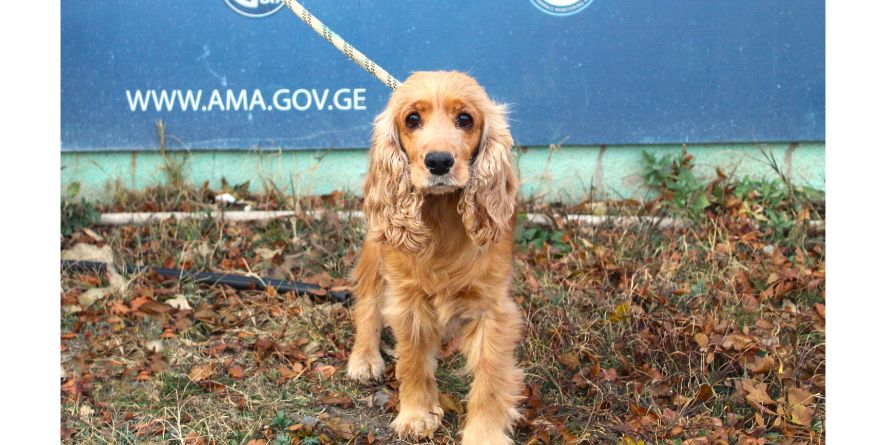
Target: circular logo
column 254, row 8
column 561, row 7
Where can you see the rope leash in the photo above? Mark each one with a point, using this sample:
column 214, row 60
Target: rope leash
column 355, row 55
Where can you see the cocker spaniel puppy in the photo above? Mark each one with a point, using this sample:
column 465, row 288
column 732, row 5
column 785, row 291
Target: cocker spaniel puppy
column 440, row 202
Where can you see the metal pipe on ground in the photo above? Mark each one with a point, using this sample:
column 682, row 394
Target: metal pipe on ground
column 138, row 218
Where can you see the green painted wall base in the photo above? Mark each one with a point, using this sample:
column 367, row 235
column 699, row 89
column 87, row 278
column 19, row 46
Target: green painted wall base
column 567, row 174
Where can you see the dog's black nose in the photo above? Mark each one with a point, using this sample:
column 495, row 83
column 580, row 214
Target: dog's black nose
column 439, row 162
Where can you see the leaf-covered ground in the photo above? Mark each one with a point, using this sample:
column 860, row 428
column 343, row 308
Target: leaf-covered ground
column 708, row 334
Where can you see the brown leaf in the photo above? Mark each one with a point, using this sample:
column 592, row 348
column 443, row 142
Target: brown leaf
column 701, row 339
column 450, row 404
column 341, row 428
column 150, row 428
column 236, row 372
column 322, row 279
column 337, row 400
column 317, row 292
column 325, row 371
column 290, row 372
column 797, row 396
column 194, row 439
column 154, row 308
column 756, row 393
column 532, row 282
column 801, row 415
column 570, row 360
column 205, row 314
column 68, row 433
column 760, row 365
column 737, row 342
column 705, row 393
column 201, row 373
column 118, row 307
column 660, row 389
column 749, row 303
column 137, row 302
column 800, row 402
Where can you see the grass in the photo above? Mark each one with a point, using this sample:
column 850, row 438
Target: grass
column 634, row 334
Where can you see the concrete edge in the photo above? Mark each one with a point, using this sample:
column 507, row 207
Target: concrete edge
column 565, row 174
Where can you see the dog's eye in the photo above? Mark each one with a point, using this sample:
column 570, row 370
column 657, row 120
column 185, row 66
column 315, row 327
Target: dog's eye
column 464, row 120
column 413, row 120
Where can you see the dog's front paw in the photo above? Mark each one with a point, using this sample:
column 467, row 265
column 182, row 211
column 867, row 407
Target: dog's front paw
column 484, row 435
column 364, row 367
column 417, row 424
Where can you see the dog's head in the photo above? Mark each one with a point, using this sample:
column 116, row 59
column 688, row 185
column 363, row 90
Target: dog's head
column 440, row 133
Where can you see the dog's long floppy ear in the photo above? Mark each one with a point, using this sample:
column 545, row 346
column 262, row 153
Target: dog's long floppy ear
column 391, row 204
column 490, row 197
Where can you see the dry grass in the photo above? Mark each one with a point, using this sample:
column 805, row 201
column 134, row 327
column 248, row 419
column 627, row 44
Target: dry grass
column 633, row 333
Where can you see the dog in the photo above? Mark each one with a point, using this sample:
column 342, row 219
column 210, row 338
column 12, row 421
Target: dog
column 440, row 202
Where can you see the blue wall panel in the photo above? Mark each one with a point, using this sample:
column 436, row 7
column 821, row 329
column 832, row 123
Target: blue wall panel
column 615, row 72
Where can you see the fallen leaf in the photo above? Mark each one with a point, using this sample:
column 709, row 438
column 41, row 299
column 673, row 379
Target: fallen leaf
column 800, row 402
column 621, row 312
column 267, row 254
column 236, row 372
column 290, row 372
column 118, row 307
column 570, row 360
column 86, row 412
column 150, row 428
column 450, row 404
column 201, row 373
column 737, row 342
column 532, row 282
column 760, row 365
column 322, row 279
column 325, row 371
column 820, row 309
column 801, row 415
column 89, row 297
column 139, row 301
column 704, row 393
column 701, row 339
column 341, row 428
column 379, row 399
column 756, row 393
column 337, row 400
column 179, row 302
column 154, row 345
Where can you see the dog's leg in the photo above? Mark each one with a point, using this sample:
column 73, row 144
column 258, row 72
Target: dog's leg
column 365, row 362
column 418, row 344
column 489, row 345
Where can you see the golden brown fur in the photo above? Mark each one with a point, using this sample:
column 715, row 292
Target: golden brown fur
column 436, row 263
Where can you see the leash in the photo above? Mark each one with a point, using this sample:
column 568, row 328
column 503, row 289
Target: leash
column 355, row 55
